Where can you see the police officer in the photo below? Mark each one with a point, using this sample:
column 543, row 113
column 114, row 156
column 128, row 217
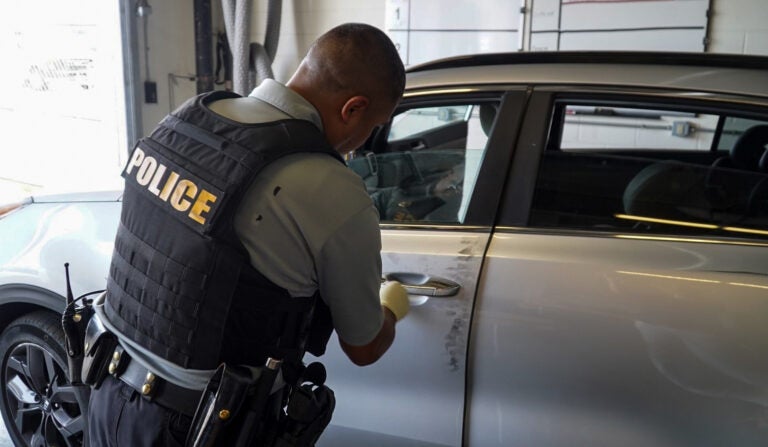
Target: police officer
column 238, row 215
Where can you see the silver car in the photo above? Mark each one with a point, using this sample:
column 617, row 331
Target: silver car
column 584, row 237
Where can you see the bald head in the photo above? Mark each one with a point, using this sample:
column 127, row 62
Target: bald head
column 355, row 58
column 354, row 76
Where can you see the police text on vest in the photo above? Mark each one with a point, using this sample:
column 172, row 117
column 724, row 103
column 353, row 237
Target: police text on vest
column 179, row 192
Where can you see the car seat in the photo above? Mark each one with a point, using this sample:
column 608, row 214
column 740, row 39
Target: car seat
column 726, row 186
column 757, row 137
column 667, row 190
column 717, row 193
column 749, row 150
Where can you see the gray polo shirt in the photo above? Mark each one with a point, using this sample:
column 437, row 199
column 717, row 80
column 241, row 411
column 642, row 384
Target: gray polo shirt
column 320, row 232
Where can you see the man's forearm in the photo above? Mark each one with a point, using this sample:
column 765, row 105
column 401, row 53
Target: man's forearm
column 371, row 352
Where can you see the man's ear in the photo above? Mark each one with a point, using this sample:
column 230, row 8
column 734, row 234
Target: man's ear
column 354, row 108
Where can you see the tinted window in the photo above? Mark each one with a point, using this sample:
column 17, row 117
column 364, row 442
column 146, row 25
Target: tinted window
column 424, row 170
column 653, row 171
column 733, row 128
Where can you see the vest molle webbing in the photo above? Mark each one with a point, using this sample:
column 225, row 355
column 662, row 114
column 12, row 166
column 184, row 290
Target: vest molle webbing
column 180, row 283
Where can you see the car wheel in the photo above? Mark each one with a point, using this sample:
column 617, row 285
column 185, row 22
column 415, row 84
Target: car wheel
column 39, row 406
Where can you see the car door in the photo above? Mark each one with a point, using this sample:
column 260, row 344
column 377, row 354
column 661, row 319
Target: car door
column 623, row 297
column 437, row 199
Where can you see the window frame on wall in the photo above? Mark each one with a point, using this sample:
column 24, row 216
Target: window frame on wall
column 540, row 131
column 131, row 72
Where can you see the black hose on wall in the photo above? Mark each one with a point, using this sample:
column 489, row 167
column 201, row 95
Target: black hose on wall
column 261, row 56
column 203, row 46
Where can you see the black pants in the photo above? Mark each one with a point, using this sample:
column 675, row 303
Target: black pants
column 119, row 417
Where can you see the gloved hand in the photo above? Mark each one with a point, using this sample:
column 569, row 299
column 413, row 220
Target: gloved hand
column 394, row 297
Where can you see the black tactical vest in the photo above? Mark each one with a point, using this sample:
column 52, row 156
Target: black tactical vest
column 180, row 283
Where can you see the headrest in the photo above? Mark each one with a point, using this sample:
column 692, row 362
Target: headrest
column 487, row 116
column 748, row 150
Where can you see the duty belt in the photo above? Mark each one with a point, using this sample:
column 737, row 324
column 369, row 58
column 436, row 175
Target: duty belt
column 152, row 387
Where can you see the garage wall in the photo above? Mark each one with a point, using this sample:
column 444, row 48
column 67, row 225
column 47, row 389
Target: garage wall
column 739, row 26
column 304, row 21
column 427, row 29
column 660, row 25
column 42, row 82
column 171, row 56
column 171, row 39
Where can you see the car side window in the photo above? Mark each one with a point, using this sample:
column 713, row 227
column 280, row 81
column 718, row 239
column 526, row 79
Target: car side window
column 424, row 169
column 649, row 170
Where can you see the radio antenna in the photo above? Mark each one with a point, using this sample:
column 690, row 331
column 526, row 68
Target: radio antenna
column 70, row 297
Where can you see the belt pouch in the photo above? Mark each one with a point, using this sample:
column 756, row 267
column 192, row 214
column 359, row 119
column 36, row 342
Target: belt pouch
column 222, row 399
column 98, row 349
column 309, row 412
column 74, row 322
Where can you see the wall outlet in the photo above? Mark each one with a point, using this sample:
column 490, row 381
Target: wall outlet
column 150, row 92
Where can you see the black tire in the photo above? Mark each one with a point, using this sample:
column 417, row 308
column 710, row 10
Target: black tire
column 39, row 405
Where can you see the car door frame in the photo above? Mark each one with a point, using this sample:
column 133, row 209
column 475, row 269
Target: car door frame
column 480, row 213
column 517, row 198
column 485, row 201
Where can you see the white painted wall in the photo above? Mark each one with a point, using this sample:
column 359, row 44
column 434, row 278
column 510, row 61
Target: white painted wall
column 172, row 41
column 739, row 26
column 422, row 29
column 428, row 29
column 87, row 123
column 304, row 21
column 659, row 25
column 171, row 36
column 599, row 132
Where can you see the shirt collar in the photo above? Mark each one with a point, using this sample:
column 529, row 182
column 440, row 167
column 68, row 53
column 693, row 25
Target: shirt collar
column 287, row 101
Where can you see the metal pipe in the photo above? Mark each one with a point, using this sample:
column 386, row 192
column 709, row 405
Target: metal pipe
column 708, row 29
column 521, row 26
column 143, row 10
column 131, row 73
column 203, row 46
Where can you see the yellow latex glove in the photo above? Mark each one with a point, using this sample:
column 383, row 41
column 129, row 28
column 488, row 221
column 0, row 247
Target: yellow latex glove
column 394, row 297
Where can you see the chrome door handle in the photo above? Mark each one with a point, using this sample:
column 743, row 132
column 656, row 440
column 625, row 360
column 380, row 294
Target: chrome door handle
column 423, row 285
column 418, row 145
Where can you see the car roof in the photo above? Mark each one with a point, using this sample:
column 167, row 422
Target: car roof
column 85, row 196
column 705, row 72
